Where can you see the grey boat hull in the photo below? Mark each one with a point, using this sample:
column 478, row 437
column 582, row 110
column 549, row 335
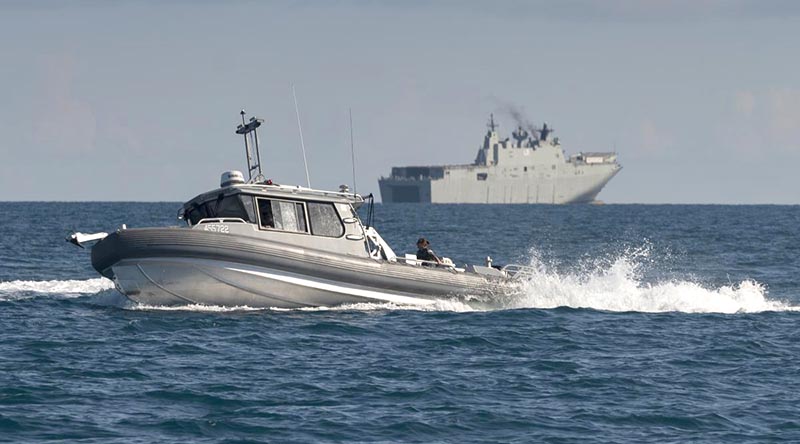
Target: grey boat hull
column 177, row 266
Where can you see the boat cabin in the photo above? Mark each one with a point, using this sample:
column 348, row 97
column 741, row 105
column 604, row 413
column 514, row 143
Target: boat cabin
column 301, row 219
column 290, row 214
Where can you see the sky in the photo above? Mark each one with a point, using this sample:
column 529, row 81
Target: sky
column 139, row 100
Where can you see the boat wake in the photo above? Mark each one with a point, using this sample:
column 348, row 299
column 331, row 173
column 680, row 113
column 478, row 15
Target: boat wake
column 16, row 290
column 612, row 285
column 616, row 285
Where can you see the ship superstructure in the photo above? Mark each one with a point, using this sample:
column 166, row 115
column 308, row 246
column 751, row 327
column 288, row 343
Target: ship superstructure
column 530, row 167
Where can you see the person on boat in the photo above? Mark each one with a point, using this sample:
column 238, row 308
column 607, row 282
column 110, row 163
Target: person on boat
column 267, row 220
column 424, row 253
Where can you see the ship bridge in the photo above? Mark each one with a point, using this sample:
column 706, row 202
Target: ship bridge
column 418, row 172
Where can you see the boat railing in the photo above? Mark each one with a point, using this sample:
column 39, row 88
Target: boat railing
column 517, row 271
column 412, row 260
column 221, row 220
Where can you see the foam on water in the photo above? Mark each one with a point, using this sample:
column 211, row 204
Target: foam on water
column 13, row 290
column 202, row 308
column 619, row 287
column 439, row 305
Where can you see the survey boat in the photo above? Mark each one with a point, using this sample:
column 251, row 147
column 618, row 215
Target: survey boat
column 256, row 243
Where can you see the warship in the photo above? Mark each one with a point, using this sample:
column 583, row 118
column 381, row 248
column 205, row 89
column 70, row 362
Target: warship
column 530, row 169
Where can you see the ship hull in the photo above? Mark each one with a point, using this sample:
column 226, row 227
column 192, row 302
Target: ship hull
column 188, row 281
column 173, row 266
column 461, row 185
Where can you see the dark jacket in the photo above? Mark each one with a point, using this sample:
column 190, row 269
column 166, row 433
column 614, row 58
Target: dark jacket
column 426, row 254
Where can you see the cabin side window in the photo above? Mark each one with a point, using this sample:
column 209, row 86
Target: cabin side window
column 325, row 220
column 346, row 210
column 249, row 208
column 235, row 206
column 282, row 215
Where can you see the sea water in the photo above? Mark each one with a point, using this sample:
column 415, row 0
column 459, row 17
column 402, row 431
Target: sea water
column 638, row 323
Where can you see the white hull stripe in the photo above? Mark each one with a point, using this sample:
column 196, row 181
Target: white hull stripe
column 331, row 286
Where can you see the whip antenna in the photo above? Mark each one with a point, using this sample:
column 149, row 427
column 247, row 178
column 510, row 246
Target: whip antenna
column 302, row 144
column 352, row 151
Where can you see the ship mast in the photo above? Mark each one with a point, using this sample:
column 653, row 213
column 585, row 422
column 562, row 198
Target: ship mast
column 491, row 125
column 248, row 129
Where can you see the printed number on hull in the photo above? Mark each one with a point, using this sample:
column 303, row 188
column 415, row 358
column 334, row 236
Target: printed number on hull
column 217, row 228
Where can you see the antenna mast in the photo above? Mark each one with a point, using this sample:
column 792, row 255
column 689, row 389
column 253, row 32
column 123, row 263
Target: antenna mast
column 302, row 144
column 352, row 151
column 491, row 125
column 248, row 129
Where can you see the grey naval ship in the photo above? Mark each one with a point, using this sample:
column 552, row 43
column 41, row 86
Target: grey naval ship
column 532, row 168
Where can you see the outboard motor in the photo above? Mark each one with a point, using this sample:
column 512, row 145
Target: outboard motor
column 231, row 178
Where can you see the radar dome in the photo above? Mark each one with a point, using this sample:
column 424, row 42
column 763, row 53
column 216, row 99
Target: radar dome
column 231, row 178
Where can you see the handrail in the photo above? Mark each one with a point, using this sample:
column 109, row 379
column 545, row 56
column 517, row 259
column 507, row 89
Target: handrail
column 517, row 270
column 434, row 264
column 299, row 188
column 221, row 220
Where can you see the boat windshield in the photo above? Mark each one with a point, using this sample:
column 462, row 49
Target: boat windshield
column 233, row 206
